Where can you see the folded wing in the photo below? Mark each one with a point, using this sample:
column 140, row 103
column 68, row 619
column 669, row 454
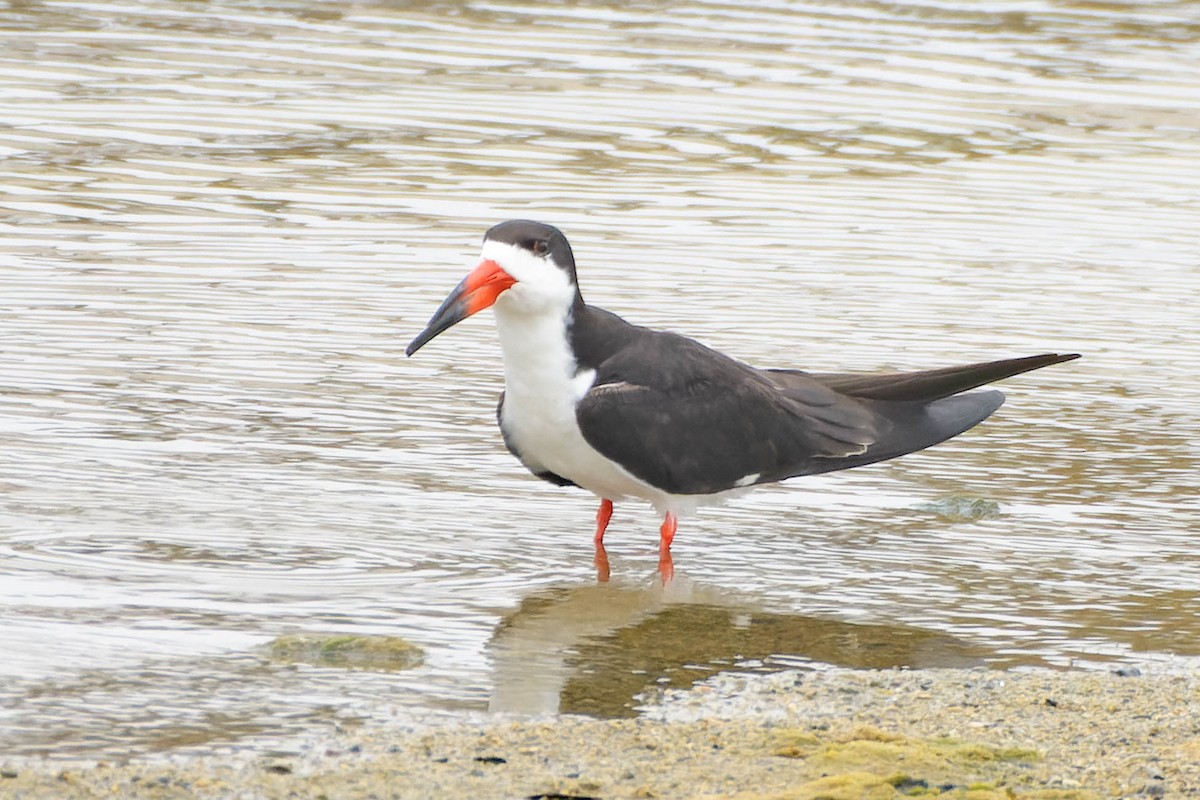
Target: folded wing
column 706, row 423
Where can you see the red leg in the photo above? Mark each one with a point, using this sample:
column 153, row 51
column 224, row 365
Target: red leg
column 667, row 531
column 603, row 515
column 666, row 567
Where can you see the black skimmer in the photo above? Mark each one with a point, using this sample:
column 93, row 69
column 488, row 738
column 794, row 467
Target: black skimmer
column 623, row 411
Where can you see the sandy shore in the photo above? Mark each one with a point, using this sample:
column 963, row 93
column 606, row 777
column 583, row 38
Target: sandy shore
column 838, row 734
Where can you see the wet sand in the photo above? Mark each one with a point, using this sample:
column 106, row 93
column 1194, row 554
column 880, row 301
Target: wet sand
column 877, row 734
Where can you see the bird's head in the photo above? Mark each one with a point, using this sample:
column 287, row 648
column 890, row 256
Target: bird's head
column 524, row 268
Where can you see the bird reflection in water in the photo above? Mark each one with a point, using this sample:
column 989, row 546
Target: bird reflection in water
column 594, row 649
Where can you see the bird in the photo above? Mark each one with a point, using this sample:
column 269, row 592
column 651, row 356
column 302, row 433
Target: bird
column 629, row 412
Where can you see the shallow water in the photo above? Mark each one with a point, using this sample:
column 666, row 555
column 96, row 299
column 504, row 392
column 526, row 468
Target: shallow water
column 223, row 222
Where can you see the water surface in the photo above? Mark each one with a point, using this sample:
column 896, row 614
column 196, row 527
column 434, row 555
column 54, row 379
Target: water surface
column 221, row 223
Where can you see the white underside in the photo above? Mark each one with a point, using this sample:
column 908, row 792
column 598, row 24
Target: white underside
column 541, row 390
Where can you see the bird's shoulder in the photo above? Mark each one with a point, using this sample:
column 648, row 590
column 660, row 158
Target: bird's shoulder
column 629, row 357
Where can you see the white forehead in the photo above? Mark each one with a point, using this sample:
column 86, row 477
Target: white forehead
column 540, row 283
column 523, row 265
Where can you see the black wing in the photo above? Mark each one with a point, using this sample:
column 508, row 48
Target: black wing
column 689, row 420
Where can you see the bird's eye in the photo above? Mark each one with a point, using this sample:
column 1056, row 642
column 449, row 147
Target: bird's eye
column 541, row 247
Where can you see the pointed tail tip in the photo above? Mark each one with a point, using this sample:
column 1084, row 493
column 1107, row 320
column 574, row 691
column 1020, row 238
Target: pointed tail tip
column 1018, row 366
column 1061, row 358
column 1045, row 360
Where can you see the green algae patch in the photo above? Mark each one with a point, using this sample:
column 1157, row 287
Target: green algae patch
column 966, row 752
column 376, row 653
column 870, row 763
column 868, row 786
column 796, row 744
column 847, row 786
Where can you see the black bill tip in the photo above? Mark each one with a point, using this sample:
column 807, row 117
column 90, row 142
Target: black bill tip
column 453, row 311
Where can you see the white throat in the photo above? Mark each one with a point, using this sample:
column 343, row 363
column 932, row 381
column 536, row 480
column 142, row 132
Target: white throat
column 538, row 361
column 532, row 318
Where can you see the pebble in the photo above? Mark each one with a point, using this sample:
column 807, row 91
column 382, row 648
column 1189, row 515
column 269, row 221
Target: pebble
column 752, row 737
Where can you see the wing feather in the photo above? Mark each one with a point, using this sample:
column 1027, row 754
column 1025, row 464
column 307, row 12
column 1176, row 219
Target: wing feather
column 706, row 422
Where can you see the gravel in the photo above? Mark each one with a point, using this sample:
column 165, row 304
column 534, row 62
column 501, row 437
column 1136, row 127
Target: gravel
column 824, row 734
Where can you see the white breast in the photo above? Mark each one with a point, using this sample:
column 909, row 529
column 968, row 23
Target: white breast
column 541, row 389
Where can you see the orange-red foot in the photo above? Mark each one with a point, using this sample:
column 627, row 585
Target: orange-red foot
column 666, row 567
column 601, row 562
column 603, row 515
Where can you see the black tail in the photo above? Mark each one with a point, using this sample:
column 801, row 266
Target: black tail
column 932, row 384
column 909, row 426
column 915, row 410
